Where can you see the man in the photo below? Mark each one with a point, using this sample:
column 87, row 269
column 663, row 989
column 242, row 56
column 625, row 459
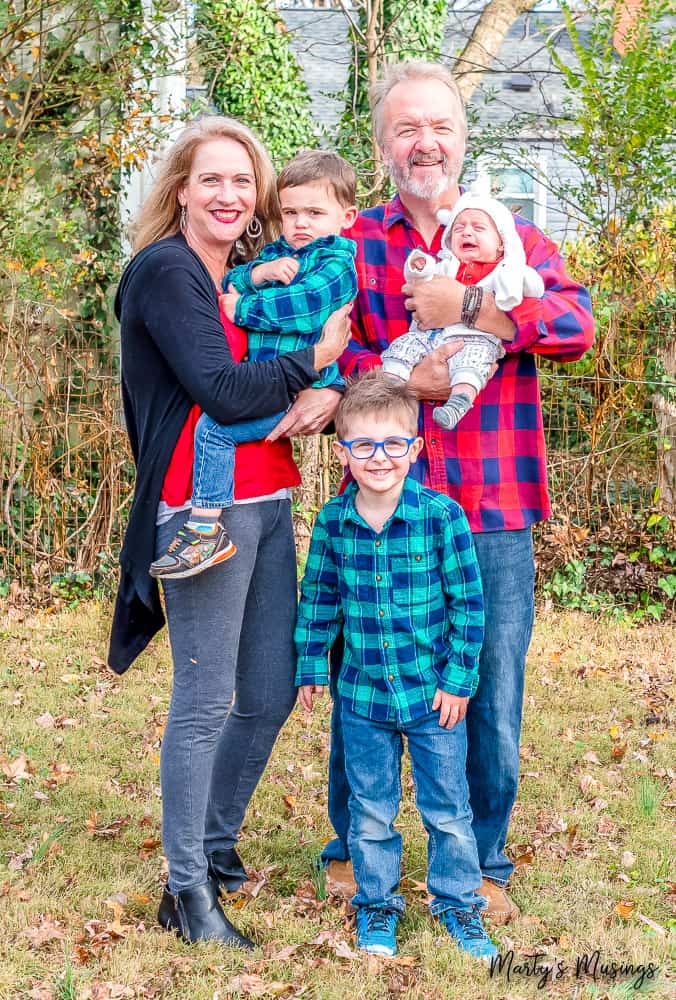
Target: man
column 493, row 463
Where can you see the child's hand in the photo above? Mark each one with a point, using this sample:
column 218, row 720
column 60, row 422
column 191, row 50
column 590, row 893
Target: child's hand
column 452, row 708
column 228, row 301
column 306, row 694
column 284, row 270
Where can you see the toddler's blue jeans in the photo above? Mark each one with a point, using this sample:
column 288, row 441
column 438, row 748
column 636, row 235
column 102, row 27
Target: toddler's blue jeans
column 214, row 467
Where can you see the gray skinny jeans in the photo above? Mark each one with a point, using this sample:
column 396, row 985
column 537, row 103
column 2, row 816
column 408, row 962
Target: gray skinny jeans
column 231, row 632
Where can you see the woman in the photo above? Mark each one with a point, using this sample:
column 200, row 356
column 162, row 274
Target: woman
column 231, row 629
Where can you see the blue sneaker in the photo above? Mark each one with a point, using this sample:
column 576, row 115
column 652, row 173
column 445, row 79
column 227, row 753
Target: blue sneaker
column 468, row 932
column 376, row 927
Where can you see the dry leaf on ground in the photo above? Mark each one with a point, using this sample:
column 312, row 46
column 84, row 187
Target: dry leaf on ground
column 46, row 931
column 255, row 986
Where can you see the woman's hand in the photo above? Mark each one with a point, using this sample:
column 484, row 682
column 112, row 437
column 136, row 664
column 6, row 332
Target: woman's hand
column 228, row 301
column 312, row 411
column 334, row 338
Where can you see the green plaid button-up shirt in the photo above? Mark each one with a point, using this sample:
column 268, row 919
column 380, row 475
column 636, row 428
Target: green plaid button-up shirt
column 408, row 600
column 282, row 318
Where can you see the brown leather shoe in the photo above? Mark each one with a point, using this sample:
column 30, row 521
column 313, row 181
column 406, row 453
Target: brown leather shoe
column 340, row 879
column 501, row 909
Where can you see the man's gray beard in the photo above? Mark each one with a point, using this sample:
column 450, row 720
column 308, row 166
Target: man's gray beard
column 428, row 189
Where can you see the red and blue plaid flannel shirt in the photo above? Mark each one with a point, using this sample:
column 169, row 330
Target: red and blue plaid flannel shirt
column 494, row 463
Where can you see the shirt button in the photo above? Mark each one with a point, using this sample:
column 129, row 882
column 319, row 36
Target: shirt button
column 377, row 544
column 418, row 558
column 373, row 281
column 381, row 612
column 390, row 677
column 385, row 644
column 433, row 441
column 378, row 577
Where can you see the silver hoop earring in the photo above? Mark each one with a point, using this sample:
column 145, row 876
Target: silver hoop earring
column 181, row 219
column 253, row 228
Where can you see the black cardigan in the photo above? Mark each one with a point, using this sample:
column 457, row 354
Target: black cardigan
column 174, row 354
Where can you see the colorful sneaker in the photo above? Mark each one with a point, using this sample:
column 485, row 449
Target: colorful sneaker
column 468, row 932
column 376, row 928
column 191, row 552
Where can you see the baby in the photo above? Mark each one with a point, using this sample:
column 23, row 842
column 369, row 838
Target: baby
column 480, row 248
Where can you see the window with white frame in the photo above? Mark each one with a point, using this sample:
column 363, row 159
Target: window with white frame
column 520, row 188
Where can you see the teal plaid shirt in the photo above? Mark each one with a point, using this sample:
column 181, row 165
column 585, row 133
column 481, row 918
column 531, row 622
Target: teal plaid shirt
column 408, row 600
column 281, row 318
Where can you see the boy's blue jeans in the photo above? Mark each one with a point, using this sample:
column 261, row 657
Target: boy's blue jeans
column 214, row 467
column 494, row 713
column 373, row 764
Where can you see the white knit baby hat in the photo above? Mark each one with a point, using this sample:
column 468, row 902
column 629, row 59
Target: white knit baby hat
column 512, row 278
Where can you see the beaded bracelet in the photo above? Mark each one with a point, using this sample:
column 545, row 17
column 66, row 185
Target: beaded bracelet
column 471, row 305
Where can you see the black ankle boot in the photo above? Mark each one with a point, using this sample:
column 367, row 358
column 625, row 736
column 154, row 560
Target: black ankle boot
column 227, row 869
column 196, row 915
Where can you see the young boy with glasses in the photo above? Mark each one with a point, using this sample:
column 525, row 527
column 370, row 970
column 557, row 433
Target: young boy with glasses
column 392, row 564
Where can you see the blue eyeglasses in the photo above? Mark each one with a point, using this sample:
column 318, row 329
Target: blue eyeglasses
column 363, row 448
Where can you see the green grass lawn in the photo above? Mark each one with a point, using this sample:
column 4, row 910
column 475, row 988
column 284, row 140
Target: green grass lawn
column 81, row 862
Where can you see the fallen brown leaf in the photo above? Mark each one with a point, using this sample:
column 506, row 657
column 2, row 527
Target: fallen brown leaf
column 625, row 908
column 284, row 953
column 110, row 991
column 112, row 829
column 588, row 784
column 46, row 931
column 337, row 944
column 18, row 769
column 255, row 986
column 606, row 827
column 527, row 857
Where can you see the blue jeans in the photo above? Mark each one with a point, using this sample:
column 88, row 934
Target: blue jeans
column 373, row 765
column 494, row 714
column 231, row 633
column 214, row 465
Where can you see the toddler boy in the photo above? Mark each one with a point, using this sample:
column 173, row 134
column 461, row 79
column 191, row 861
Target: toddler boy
column 282, row 299
column 480, row 247
column 392, row 564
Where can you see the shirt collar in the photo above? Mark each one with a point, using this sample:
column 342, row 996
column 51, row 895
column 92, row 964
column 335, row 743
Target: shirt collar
column 321, row 241
column 406, row 510
column 395, row 212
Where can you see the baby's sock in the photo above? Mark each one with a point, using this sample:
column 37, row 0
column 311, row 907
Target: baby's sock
column 204, row 523
column 453, row 410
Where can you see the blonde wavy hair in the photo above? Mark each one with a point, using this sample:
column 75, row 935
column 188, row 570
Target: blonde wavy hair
column 159, row 215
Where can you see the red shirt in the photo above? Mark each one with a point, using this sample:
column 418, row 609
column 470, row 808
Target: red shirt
column 260, row 468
